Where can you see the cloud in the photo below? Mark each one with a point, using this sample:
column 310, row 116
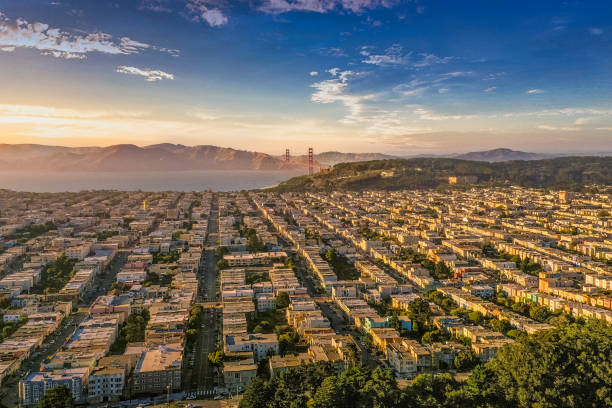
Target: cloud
column 426, row 114
column 584, row 121
column 431, row 59
column 200, row 11
column 394, row 55
column 490, row 89
column 557, row 128
column 334, row 90
column 59, row 44
column 534, row 91
column 314, row 73
column 158, row 6
column 332, row 52
column 596, row 31
column 323, row 6
column 149, row 74
column 418, row 86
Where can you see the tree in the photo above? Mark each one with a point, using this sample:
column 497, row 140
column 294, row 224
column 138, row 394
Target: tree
column 476, row 317
column 58, row 397
column 220, row 251
column 328, row 395
column 256, row 395
column 441, row 271
column 216, row 358
column 286, row 342
column 282, row 300
column 539, row 313
column 466, row 360
column 501, row 326
column 419, row 312
column 566, row 367
column 382, row 388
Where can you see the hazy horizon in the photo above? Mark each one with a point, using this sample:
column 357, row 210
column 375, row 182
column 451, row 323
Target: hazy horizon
column 395, row 76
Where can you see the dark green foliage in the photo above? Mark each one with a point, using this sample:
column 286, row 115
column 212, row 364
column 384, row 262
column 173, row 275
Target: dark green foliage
column 32, row 231
column 282, row 300
column 343, row 269
column 104, row 235
column 320, row 386
column 220, row 251
column 441, row 271
column 570, row 366
column 55, row 276
column 570, row 173
column 171, row 257
column 194, row 322
column 58, row 397
column 420, row 313
column 287, row 342
column 132, row 331
column 466, row 360
column 254, row 244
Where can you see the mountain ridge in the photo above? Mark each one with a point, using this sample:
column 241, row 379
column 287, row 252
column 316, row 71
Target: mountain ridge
column 129, row 157
column 178, row 157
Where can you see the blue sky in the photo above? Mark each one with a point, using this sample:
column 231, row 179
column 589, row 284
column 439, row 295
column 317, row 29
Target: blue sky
column 394, row 76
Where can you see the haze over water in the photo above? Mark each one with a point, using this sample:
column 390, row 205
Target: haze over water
column 197, row 180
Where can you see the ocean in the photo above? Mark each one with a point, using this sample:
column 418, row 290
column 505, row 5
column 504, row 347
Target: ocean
column 197, row 180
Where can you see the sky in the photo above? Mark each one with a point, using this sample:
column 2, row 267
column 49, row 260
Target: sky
column 392, row 76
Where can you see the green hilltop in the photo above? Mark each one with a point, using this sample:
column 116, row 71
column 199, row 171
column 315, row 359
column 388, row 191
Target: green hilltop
column 571, row 173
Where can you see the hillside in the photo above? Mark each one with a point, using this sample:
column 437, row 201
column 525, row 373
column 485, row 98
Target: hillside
column 564, row 172
column 499, row 155
column 327, row 159
column 128, row 157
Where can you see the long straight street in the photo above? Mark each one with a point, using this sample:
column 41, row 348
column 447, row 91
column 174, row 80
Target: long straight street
column 202, row 376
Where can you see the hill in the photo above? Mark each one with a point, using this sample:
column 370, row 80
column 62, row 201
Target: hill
column 563, row 172
column 129, row 157
column 327, row 159
column 499, row 155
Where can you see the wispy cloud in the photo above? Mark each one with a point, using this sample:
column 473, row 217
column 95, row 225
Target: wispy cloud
column 335, row 90
column 60, row 44
column 323, row 6
column 150, row 75
column 490, row 89
column 195, row 10
column 395, row 55
column 534, row 91
column 201, row 10
column 557, row 128
column 159, row 6
column 596, row 31
column 314, row 73
column 422, row 83
column 332, row 51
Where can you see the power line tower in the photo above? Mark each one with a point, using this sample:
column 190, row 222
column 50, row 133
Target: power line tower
column 287, row 155
column 310, row 161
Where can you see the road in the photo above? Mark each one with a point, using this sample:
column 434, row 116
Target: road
column 10, row 388
column 203, row 375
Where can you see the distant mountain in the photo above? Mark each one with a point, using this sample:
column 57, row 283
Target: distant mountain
column 128, row 157
column 501, row 155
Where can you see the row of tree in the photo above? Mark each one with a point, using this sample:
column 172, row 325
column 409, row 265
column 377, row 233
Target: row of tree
column 569, row 366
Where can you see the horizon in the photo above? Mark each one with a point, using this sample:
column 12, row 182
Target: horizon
column 298, row 154
column 371, row 76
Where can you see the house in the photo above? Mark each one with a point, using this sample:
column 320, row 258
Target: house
column 238, row 374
